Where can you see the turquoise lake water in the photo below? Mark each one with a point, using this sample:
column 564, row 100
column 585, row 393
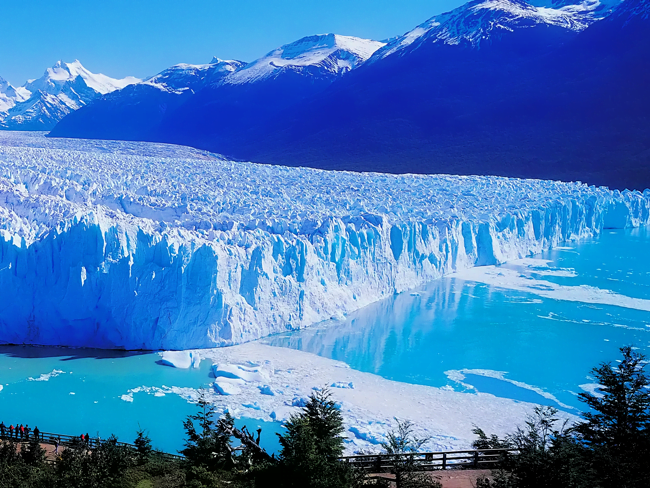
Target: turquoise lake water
column 543, row 346
column 541, row 343
column 86, row 396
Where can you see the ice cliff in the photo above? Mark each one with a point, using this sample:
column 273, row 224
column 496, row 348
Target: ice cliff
column 137, row 245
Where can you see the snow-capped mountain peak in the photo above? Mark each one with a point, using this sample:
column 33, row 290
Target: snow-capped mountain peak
column 181, row 77
column 9, row 96
column 62, row 73
column 480, row 20
column 63, row 88
column 332, row 53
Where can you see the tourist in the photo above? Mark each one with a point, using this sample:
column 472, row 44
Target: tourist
column 21, row 429
column 27, row 432
column 2, row 429
column 36, row 433
column 56, row 445
column 11, row 431
column 88, row 440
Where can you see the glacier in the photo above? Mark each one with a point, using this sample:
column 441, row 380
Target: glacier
column 152, row 246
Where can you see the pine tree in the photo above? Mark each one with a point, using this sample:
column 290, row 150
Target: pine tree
column 312, row 445
column 617, row 430
column 209, row 444
column 143, row 446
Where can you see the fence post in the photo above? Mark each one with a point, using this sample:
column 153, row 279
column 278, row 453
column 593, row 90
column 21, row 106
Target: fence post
column 476, row 459
column 444, row 460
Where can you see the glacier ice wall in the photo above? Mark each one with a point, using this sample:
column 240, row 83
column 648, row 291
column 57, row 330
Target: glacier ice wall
column 148, row 246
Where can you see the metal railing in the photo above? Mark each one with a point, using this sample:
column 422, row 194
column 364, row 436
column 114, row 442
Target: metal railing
column 469, row 459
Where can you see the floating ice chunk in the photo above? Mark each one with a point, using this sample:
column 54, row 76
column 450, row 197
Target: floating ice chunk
column 236, row 371
column 46, row 376
column 228, row 386
column 344, row 385
column 592, row 388
column 267, row 390
column 180, row 359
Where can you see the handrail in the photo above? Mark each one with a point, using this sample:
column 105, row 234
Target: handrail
column 471, row 458
column 495, row 451
column 67, row 440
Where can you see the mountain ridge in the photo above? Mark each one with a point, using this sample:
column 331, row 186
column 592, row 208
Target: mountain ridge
column 65, row 87
column 548, row 93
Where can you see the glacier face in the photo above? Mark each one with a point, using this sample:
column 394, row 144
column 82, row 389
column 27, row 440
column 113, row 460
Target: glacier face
column 150, row 246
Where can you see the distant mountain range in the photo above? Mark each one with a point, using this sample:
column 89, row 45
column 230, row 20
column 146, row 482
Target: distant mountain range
column 64, row 88
column 549, row 89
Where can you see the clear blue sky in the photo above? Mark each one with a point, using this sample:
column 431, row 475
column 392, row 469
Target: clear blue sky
column 142, row 37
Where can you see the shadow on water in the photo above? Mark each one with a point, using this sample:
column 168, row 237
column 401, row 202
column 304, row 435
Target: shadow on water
column 65, row 353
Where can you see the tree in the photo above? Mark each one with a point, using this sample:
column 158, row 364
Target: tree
column 311, row 448
column 402, row 445
column 617, row 429
column 547, row 455
column 208, row 445
column 143, row 446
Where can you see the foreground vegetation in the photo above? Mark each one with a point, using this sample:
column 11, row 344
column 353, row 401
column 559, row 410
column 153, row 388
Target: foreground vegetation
column 610, row 447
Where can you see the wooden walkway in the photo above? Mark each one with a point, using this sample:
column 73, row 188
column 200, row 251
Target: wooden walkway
column 430, row 461
column 49, row 440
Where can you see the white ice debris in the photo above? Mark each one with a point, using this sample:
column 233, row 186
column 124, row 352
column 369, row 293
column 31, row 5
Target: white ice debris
column 47, row 376
column 370, row 409
column 151, row 246
column 523, row 275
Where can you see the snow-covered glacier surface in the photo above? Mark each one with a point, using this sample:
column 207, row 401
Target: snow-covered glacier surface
column 138, row 245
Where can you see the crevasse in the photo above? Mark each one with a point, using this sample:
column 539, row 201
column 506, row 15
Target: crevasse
column 144, row 246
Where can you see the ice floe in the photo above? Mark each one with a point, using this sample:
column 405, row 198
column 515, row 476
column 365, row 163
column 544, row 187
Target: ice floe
column 519, row 275
column 370, row 408
column 46, row 376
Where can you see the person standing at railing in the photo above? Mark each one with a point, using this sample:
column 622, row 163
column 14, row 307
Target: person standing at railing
column 11, row 431
column 3, row 427
column 21, row 430
column 27, row 431
column 56, row 446
column 36, row 433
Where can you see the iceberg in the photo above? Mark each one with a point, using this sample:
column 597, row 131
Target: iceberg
column 151, row 246
column 180, row 359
